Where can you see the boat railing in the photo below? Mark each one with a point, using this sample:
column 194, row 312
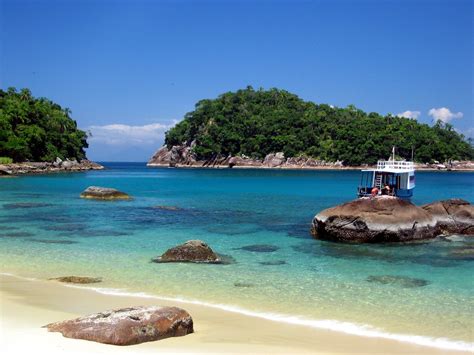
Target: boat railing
column 395, row 164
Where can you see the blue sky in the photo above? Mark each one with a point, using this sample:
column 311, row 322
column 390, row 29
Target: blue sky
column 129, row 69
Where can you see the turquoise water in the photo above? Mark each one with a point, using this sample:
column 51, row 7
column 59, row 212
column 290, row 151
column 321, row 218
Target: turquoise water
column 46, row 230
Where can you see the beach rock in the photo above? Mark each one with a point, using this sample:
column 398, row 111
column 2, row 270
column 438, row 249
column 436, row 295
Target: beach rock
column 4, row 170
column 77, row 279
column 274, row 160
column 127, row 326
column 454, row 216
column 195, row 251
column 401, row 281
column 372, row 220
column 104, row 193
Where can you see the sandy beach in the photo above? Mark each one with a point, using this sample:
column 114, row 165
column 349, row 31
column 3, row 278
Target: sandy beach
column 27, row 305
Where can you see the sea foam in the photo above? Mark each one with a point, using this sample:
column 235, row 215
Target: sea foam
column 325, row 324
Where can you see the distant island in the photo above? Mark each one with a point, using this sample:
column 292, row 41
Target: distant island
column 38, row 135
column 274, row 127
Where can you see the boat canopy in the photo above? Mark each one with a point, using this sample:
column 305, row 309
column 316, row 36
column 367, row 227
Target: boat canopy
column 393, row 166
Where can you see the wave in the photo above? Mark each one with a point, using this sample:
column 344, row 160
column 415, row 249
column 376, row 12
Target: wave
column 325, row 324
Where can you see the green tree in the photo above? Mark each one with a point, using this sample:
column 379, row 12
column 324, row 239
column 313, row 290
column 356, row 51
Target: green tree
column 37, row 129
column 259, row 122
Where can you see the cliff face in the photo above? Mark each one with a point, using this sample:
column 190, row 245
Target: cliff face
column 182, row 156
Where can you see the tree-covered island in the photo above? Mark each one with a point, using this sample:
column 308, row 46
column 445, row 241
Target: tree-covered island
column 37, row 129
column 255, row 123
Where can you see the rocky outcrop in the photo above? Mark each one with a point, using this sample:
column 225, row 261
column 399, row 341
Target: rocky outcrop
column 104, row 193
column 45, row 167
column 183, row 156
column 274, row 160
column 381, row 219
column 77, row 279
column 195, row 251
column 127, row 326
column 390, row 219
column 454, row 216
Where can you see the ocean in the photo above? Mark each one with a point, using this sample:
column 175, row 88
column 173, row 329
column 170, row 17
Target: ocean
column 259, row 219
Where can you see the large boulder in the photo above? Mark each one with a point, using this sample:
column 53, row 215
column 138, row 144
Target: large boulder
column 195, row 251
column 127, row 326
column 454, row 216
column 104, row 193
column 162, row 157
column 371, row 220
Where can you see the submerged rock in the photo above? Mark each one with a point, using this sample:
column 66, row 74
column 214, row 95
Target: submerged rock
column 454, row 216
column 167, row 208
column 127, row 326
column 462, row 253
column 401, row 281
column 77, row 279
column 272, row 263
column 68, row 227
column 371, row 220
column 17, row 234
column 195, row 251
column 53, row 241
column 104, row 193
column 260, row 248
column 243, row 284
column 12, row 206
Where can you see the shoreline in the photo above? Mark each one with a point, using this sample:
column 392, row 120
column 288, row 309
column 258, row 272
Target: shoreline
column 295, row 168
column 219, row 328
column 33, row 168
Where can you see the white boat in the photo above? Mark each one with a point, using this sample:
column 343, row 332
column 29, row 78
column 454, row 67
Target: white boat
column 390, row 177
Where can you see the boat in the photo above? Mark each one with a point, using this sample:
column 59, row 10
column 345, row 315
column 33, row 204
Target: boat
column 390, row 177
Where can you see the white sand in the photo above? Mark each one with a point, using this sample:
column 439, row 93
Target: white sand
column 26, row 305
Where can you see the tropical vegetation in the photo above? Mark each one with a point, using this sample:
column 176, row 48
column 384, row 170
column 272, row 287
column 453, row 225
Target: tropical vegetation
column 258, row 122
column 37, row 129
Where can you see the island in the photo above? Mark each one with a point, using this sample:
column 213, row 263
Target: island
column 38, row 135
column 276, row 129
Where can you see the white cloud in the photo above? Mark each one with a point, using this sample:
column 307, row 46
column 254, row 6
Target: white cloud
column 122, row 134
column 469, row 133
column 444, row 114
column 409, row 114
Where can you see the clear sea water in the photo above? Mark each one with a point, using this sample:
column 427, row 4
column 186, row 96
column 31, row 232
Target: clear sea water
column 46, row 231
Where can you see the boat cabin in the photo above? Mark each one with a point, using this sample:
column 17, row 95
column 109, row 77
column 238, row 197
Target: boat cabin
column 391, row 177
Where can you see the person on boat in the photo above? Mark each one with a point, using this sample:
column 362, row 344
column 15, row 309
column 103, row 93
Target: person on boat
column 374, row 192
column 386, row 190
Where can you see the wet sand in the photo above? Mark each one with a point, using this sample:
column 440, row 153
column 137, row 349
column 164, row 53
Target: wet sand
column 27, row 305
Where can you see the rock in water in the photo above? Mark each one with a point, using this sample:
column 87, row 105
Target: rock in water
column 127, row 326
column 371, row 220
column 260, row 248
column 77, row 279
column 104, row 193
column 454, row 216
column 401, row 281
column 195, row 251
